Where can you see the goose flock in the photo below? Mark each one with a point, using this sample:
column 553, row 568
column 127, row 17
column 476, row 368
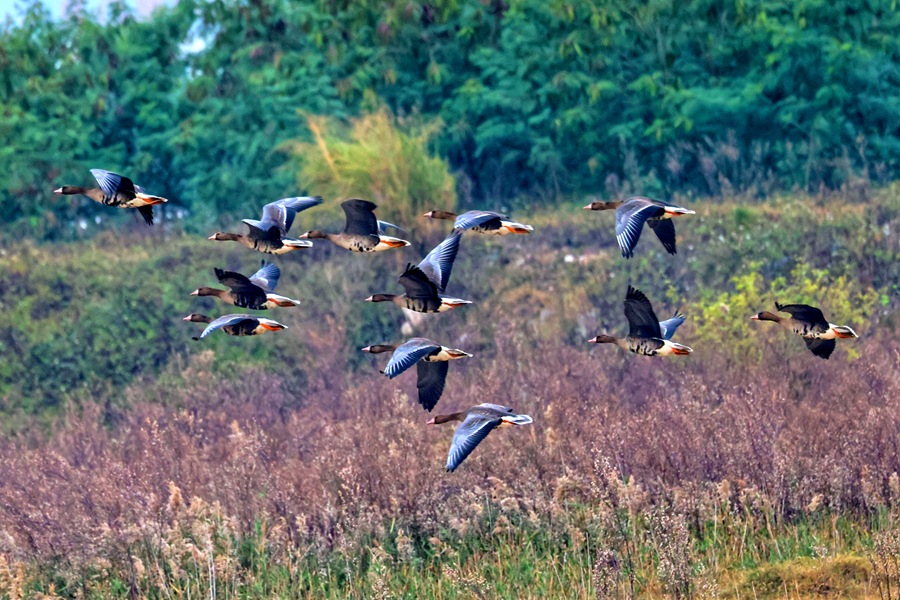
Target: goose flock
column 424, row 285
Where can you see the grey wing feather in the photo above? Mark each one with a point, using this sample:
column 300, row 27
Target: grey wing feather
column 474, row 218
column 112, row 183
column 430, row 380
column 499, row 407
column 665, row 231
column 408, row 354
column 235, row 281
column 417, row 284
column 630, row 219
column 281, row 213
column 383, row 225
column 147, row 214
column 360, row 217
column 263, row 226
column 669, row 326
column 439, row 262
column 468, row 435
column 822, row 348
column 267, row 276
column 642, row 321
column 804, row 312
column 224, row 321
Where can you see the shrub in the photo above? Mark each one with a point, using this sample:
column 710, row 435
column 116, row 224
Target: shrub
column 723, row 321
column 374, row 158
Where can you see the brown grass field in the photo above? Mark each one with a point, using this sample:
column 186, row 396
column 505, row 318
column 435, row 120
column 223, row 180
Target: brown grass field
column 291, row 468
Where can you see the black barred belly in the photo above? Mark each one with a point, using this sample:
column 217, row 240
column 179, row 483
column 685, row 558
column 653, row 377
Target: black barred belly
column 644, row 347
column 251, row 301
column 267, row 246
column 423, row 305
column 242, row 328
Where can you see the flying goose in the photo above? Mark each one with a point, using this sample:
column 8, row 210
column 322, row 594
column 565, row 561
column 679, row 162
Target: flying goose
column 646, row 334
column 267, row 234
column 476, row 424
column 481, row 221
column 255, row 292
column 362, row 232
column 239, row 325
column 431, row 360
column 116, row 190
column 631, row 215
column 809, row 323
column 424, row 284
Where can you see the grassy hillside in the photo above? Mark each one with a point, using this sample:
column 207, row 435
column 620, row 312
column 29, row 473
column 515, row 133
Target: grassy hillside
column 84, row 320
column 137, row 462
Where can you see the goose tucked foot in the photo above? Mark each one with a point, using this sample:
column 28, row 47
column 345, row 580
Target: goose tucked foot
column 386, row 242
column 843, row 332
column 517, row 227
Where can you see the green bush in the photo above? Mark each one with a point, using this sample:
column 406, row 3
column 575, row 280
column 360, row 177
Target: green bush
column 723, row 321
column 379, row 161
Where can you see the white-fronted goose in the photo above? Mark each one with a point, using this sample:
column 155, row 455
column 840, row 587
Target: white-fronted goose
column 424, row 284
column 809, row 323
column 239, row 325
column 481, row 221
column 431, row 360
column 255, row 292
column 267, row 234
column 646, row 334
column 634, row 212
column 477, row 423
column 362, row 232
column 117, row 191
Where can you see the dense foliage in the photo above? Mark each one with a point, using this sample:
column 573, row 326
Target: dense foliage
column 534, row 97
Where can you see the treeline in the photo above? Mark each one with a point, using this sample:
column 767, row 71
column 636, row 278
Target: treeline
column 536, row 98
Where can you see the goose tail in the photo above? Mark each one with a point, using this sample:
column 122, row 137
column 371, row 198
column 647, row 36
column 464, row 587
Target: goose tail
column 296, row 244
column 681, row 350
column 676, row 348
column 519, row 419
column 514, row 227
column 677, row 210
column 842, row 331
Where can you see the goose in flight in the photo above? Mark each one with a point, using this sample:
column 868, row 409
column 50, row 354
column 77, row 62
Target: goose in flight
column 255, row 292
column 809, row 323
column 634, row 212
column 362, row 231
column 481, row 221
column 431, row 360
column 425, row 283
column 239, row 325
column 475, row 424
column 116, row 190
column 646, row 334
column 268, row 234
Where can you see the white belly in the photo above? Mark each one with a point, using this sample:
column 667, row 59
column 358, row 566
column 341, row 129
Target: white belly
column 448, row 303
column 275, row 300
column 387, row 242
column 144, row 200
column 669, row 348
